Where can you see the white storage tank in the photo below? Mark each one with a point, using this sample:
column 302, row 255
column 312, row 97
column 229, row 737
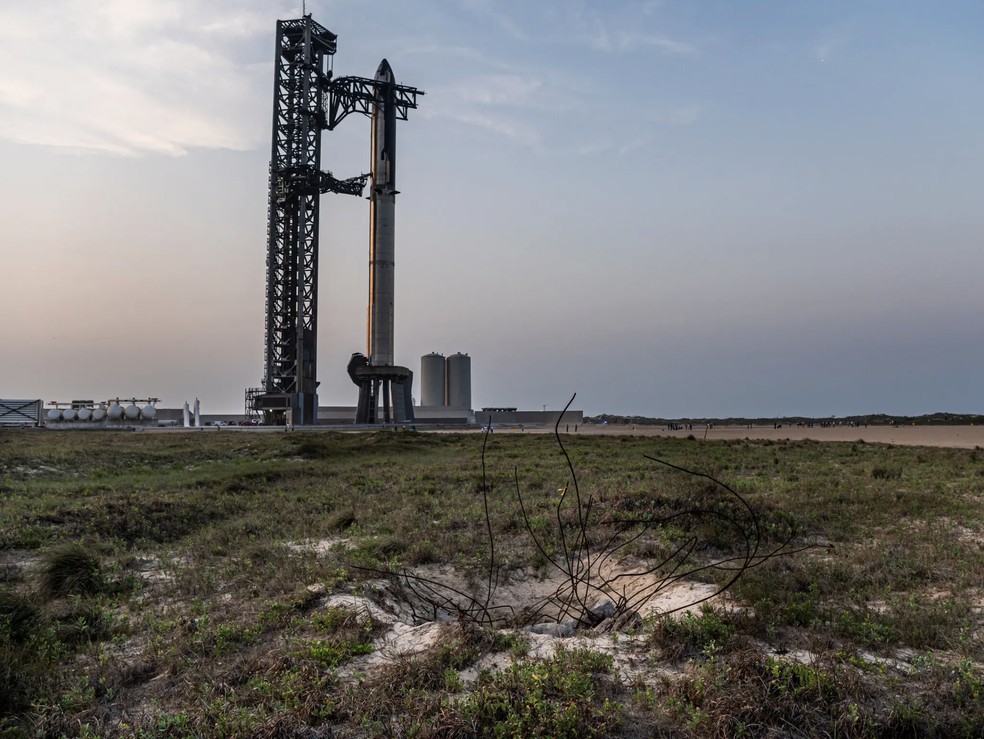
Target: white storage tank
column 98, row 414
column 132, row 412
column 68, row 414
column 115, row 412
column 148, row 412
column 459, row 381
column 432, row 380
column 53, row 414
column 84, row 414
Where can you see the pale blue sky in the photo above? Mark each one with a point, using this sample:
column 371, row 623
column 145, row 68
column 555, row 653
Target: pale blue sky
column 672, row 208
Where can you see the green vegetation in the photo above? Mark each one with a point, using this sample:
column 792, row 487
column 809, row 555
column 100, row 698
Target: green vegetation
column 568, row 695
column 180, row 584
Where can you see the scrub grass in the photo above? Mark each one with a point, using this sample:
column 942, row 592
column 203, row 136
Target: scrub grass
column 176, row 584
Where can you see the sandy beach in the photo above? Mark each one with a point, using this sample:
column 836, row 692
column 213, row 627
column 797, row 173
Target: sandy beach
column 962, row 437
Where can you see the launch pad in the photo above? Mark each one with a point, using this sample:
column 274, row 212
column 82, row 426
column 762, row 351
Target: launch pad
column 308, row 100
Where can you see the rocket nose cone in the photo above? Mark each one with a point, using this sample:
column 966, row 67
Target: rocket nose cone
column 384, row 71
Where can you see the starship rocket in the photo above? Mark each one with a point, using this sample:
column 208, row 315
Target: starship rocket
column 382, row 214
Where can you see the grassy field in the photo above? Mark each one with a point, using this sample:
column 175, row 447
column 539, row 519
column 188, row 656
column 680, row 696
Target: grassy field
column 235, row 584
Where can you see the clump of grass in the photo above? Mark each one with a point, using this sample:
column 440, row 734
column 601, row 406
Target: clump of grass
column 886, row 473
column 340, row 520
column 751, row 694
column 347, row 634
column 80, row 621
column 569, row 695
column 942, row 623
column 310, row 447
column 72, row 569
column 19, row 616
column 403, row 697
column 691, row 635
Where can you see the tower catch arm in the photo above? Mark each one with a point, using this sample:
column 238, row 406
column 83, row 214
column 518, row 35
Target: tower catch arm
column 357, row 94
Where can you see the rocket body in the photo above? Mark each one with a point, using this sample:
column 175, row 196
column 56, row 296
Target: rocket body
column 382, row 220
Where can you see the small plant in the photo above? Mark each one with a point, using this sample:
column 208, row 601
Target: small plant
column 332, row 652
column 866, row 627
column 509, row 641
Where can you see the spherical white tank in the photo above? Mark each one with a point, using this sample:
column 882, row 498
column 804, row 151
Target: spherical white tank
column 115, row 412
column 98, row 414
column 68, row 414
column 84, row 414
column 432, row 380
column 132, row 412
column 459, row 381
column 148, row 412
column 53, row 415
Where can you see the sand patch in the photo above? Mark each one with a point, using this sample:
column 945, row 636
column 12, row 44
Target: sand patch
column 414, row 609
column 321, row 547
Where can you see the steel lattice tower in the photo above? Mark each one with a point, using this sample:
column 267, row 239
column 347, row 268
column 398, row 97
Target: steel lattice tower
column 301, row 82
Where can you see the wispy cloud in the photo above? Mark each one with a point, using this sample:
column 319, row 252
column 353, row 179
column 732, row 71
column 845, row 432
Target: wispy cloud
column 621, row 32
column 682, row 115
column 635, row 144
column 468, row 53
column 489, row 11
column 640, row 137
column 627, row 41
column 593, row 148
column 132, row 77
column 501, row 125
column 651, row 6
column 830, row 44
column 499, row 89
column 498, row 103
column 576, row 23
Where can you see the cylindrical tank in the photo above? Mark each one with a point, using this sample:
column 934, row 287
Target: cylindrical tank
column 432, row 380
column 115, row 412
column 98, row 414
column 459, row 381
column 84, row 414
column 68, row 414
column 53, row 415
column 148, row 412
column 132, row 412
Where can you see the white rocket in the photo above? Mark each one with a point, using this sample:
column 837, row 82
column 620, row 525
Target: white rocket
column 382, row 220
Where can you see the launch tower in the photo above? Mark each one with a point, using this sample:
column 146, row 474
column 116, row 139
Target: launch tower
column 306, row 101
column 301, row 83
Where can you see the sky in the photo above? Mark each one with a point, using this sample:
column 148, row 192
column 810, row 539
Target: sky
column 671, row 208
